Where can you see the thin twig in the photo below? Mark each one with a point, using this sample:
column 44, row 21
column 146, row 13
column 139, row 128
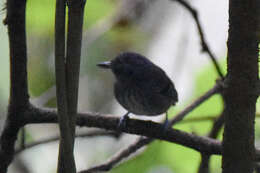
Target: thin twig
column 205, row 118
column 205, row 47
column 126, row 152
column 217, row 88
column 55, row 138
column 23, row 137
column 198, row 119
column 217, row 125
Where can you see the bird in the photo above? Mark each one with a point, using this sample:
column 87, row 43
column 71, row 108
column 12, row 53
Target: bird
column 141, row 87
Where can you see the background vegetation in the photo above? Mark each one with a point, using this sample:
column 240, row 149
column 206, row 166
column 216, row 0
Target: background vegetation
column 96, row 87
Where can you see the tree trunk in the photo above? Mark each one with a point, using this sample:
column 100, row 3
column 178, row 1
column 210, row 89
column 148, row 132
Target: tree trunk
column 240, row 93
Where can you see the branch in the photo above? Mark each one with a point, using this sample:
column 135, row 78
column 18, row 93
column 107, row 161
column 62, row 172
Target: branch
column 75, row 21
column 66, row 160
column 110, row 123
column 73, row 53
column 112, row 134
column 15, row 20
column 138, row 127
column 205, row 47
column 19, row 97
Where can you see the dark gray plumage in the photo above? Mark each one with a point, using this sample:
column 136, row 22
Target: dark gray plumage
column 141, row 87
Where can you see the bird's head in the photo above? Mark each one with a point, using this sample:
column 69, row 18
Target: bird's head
column 126, row 65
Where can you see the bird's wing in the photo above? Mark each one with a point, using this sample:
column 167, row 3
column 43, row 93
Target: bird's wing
column 155, row 80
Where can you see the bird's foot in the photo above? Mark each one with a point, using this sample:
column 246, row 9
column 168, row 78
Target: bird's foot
column 122, row 121
column 165, row 125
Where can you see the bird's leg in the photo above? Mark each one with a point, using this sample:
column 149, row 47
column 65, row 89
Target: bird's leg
column 122, row 121
column 166, row 122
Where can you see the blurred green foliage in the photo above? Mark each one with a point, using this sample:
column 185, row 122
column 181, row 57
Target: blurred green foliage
column 40, row 18
column 40, row 15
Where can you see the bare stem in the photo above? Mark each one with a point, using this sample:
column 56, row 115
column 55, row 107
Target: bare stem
column 204, row 44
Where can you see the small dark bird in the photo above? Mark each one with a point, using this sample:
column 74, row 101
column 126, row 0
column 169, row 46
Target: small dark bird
column 141, row 87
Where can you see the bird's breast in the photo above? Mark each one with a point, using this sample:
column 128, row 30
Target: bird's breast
column 139, row 101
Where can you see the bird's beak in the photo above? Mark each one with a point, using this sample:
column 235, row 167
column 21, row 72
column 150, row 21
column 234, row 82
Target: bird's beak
column 106, row 64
